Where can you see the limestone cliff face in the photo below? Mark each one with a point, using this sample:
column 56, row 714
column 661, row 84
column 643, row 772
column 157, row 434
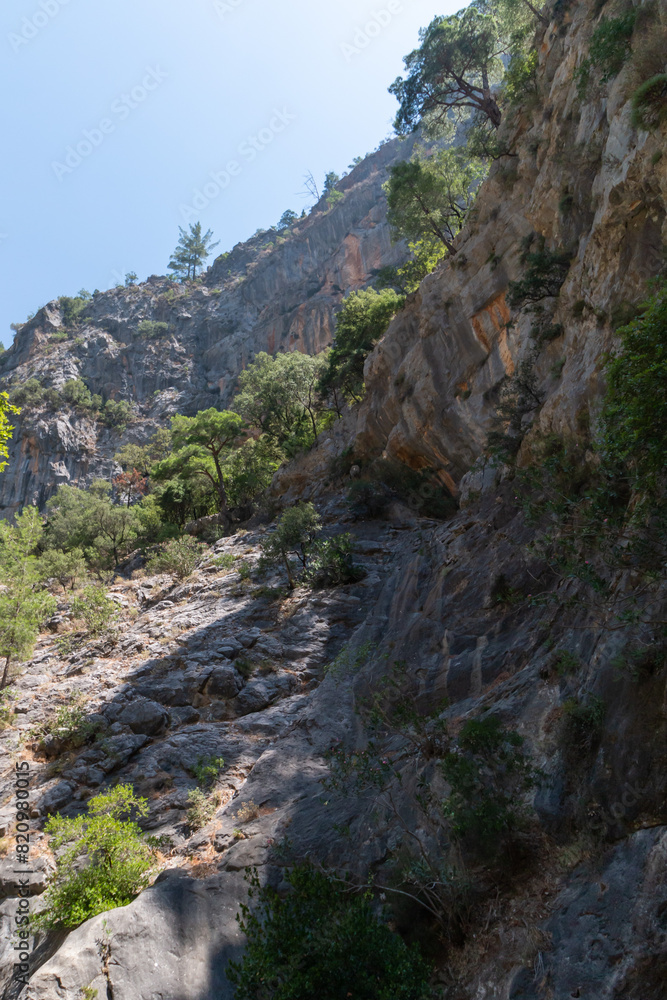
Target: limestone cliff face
column 273, row 293
column 583, row 178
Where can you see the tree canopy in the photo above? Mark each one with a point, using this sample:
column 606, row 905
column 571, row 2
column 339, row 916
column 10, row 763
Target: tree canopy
column 429, row 198
column 191, row 252
column 201, row 444
column 452, row 73
column 24, row 604
column 362, row 321
column 278, row 396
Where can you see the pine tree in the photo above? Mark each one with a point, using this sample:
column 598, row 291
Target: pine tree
column 192, row 250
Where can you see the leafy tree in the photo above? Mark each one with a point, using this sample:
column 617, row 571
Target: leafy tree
column 105, row 862
column 452, row 73
column 201, row 445
column 287, row 219
column 6, row 429
column 320, row 940
column 249, row 470
column 294, row 534
column 24, row 604
column 278, row 396
column 430, row 198
column 65, row 567
column 192, row 251
column 362, row 321
column 96, row 610
column 76, row 393
column 425, row 255
column 182, row 500
column 131, row 278
column 330, row 182
column 144, row 457
column 89, row 520
column 117, row 413
column 72, row 308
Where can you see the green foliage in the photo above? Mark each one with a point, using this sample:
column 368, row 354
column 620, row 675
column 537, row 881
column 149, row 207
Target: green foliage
column 69, row 726
column 452, row 72
column 583, row 724
column 207, row 770
column 33, row 394
column 334, row 198
column 321, row 941
column 362, row 321
column 153, row 328
column 65, row 567
column 429, row 197
column 521, row 78
column 330, row 182
column 131, row 279
column 96, row 610
column 425, row 255
column 177, row 557
column 294, row 534
column 6, row 429
column 105, row 862
column 610, row 43
column 24, row 605
column 545, row 271
column 489, row 775
column 201, row 445
column 201, row 808
column 117, row 413
column 191, row 252
column 649, row 103
column 279, row 396
column 332, row 563
column 287, row 219
column 89, row 520
column 634, row 416
column 248, row 472
column 77, row 394
column 72, row 308
column 144, row 457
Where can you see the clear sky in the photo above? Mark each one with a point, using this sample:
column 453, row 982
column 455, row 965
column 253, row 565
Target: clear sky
column 116, row 112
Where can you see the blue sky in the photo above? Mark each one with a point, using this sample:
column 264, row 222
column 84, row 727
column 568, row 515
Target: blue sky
column 117, row 112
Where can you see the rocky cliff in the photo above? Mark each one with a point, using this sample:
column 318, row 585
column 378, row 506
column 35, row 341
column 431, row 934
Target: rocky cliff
column 464, row 615
column 277, row 292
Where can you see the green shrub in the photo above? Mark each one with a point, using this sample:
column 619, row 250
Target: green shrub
column 649, row 103
column 201, row 808
column 76, row 393
column 69, row 726
column 369, row 499
column 634, row 417
column 294, row 534
column 545, row 272
column 583, row 724
column 177, row 557
column 610, row 43
column 153, row 328
column 322, row 941
column 521, row 77
column 105, row 863
column 489, row 774
column 29, row 394
column 65, row 567
column 117, row 413
column 72, row 308
column 207, row 769
column 96, row 610
column 332, row 562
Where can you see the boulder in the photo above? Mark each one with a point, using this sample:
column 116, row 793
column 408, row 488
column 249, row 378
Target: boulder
column 144, row 717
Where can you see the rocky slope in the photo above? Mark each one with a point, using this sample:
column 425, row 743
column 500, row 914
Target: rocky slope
column 273, row 293
column 466, row 609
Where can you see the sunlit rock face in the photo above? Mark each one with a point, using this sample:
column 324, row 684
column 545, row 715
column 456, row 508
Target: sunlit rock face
column 277, row 292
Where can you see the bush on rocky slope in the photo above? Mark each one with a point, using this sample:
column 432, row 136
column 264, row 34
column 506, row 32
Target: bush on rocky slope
column 321, row 940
